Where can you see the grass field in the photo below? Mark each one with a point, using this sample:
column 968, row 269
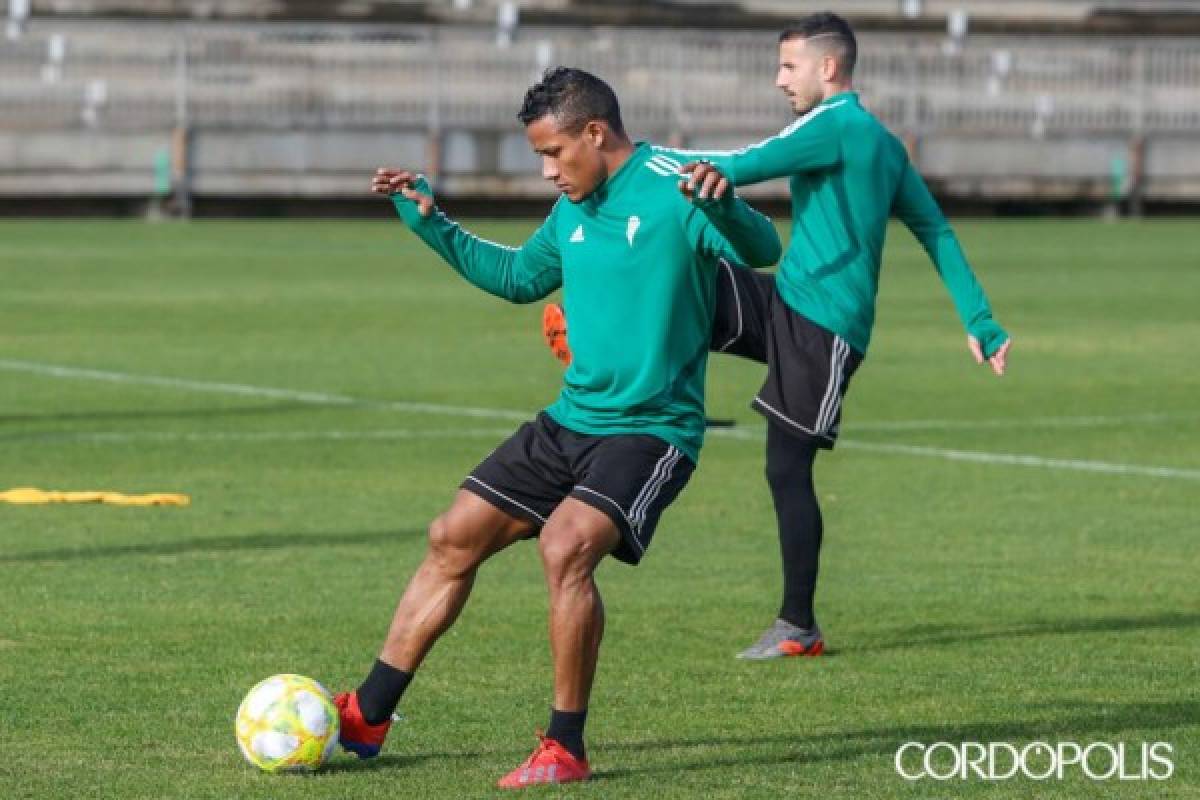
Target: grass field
column 967, row 594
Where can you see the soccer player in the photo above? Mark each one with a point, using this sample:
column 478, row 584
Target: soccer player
column 591, row 475
column 811, row 322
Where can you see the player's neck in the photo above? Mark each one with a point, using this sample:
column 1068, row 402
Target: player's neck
column 834, row 89
column 616, row 156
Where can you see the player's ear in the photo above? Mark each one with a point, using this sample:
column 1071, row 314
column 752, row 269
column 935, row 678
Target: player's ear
column 829, row 68
column 595, row 133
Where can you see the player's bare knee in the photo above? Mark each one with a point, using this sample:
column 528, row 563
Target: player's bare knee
column 439, row 536
column 452, row 548
column 571, row 550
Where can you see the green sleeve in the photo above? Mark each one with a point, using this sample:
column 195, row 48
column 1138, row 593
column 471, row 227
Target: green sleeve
column 917, row 209
column 810, row 143
column 518, row 274
column 729, row 228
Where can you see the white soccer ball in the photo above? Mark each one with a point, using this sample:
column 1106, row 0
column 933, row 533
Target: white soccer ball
column 287, row 723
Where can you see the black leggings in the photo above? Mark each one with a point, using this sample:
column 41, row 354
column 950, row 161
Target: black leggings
column 789, row 474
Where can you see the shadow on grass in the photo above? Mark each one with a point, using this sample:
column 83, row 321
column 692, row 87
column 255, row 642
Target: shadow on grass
column 141, row 414
column 216, row 544
column 391, row 761
column 1074, row 721
column 1114, row 624
column 1077, row 722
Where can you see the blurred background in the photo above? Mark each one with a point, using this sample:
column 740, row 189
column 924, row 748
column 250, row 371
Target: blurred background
column 280, row 107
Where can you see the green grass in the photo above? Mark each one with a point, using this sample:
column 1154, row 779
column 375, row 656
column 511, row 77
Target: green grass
column 963, row 600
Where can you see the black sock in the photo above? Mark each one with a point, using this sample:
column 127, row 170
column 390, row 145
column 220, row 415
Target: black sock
column 566, row 728
column 381, row 692
column 789, row 472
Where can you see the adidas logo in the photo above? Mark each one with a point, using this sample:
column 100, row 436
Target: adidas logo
column 577, row 236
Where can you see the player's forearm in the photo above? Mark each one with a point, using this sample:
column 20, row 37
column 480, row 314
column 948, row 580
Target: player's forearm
column 967, row 294
column 488, row 266
column 801, row 147
column 753, row 165
column 751, row 234
column 918, row 210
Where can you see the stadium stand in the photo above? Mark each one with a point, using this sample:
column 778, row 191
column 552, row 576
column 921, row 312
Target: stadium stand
column 102, row 106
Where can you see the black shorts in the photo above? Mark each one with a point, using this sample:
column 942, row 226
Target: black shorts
column 631, row 478
column 808, row 367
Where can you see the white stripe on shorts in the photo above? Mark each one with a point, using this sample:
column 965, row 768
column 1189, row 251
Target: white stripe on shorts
column 650, row 481
column 638, row 512
column 833, row 392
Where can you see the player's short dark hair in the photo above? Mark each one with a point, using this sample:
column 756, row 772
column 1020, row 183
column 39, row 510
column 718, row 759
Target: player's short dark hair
column 574, row 98
column 830, row 27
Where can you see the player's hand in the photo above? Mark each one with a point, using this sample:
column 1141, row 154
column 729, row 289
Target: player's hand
column 392, row 181
column 998, row 360
column 389, row 181
column 703, row 182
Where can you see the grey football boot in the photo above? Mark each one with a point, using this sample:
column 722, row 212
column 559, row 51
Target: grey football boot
column 785, row 639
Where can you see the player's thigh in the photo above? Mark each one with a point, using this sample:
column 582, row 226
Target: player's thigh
column 742, row 312
column 632, row 479
column 474, row 529
column 808, row 373
column 520, row 483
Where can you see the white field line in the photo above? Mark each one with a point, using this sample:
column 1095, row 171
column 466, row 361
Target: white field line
column 983, row 457
column 388, row 434
column 753, row 434
column 325, row 398
column 246, row 390
column 319, row 398
column 1085, row 421
column 1022, row 460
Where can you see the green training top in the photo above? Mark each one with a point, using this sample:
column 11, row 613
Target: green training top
column 637, row 265
column 848, row 175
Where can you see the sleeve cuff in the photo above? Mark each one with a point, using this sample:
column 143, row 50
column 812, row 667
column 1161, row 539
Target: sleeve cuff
column 407, row 209
column 990, row 335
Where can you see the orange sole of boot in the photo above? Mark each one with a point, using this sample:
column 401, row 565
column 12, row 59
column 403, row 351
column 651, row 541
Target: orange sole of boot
column 554, row 332
column 789, row 648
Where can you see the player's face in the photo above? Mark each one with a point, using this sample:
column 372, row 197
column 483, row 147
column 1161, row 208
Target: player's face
column 800, row 74
column 571, row 161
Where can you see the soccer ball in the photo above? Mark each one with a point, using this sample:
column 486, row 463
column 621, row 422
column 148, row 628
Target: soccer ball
column 287, row 723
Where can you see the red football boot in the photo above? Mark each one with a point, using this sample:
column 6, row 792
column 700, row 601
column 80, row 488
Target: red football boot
column 550, row 763
column 357, row 735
